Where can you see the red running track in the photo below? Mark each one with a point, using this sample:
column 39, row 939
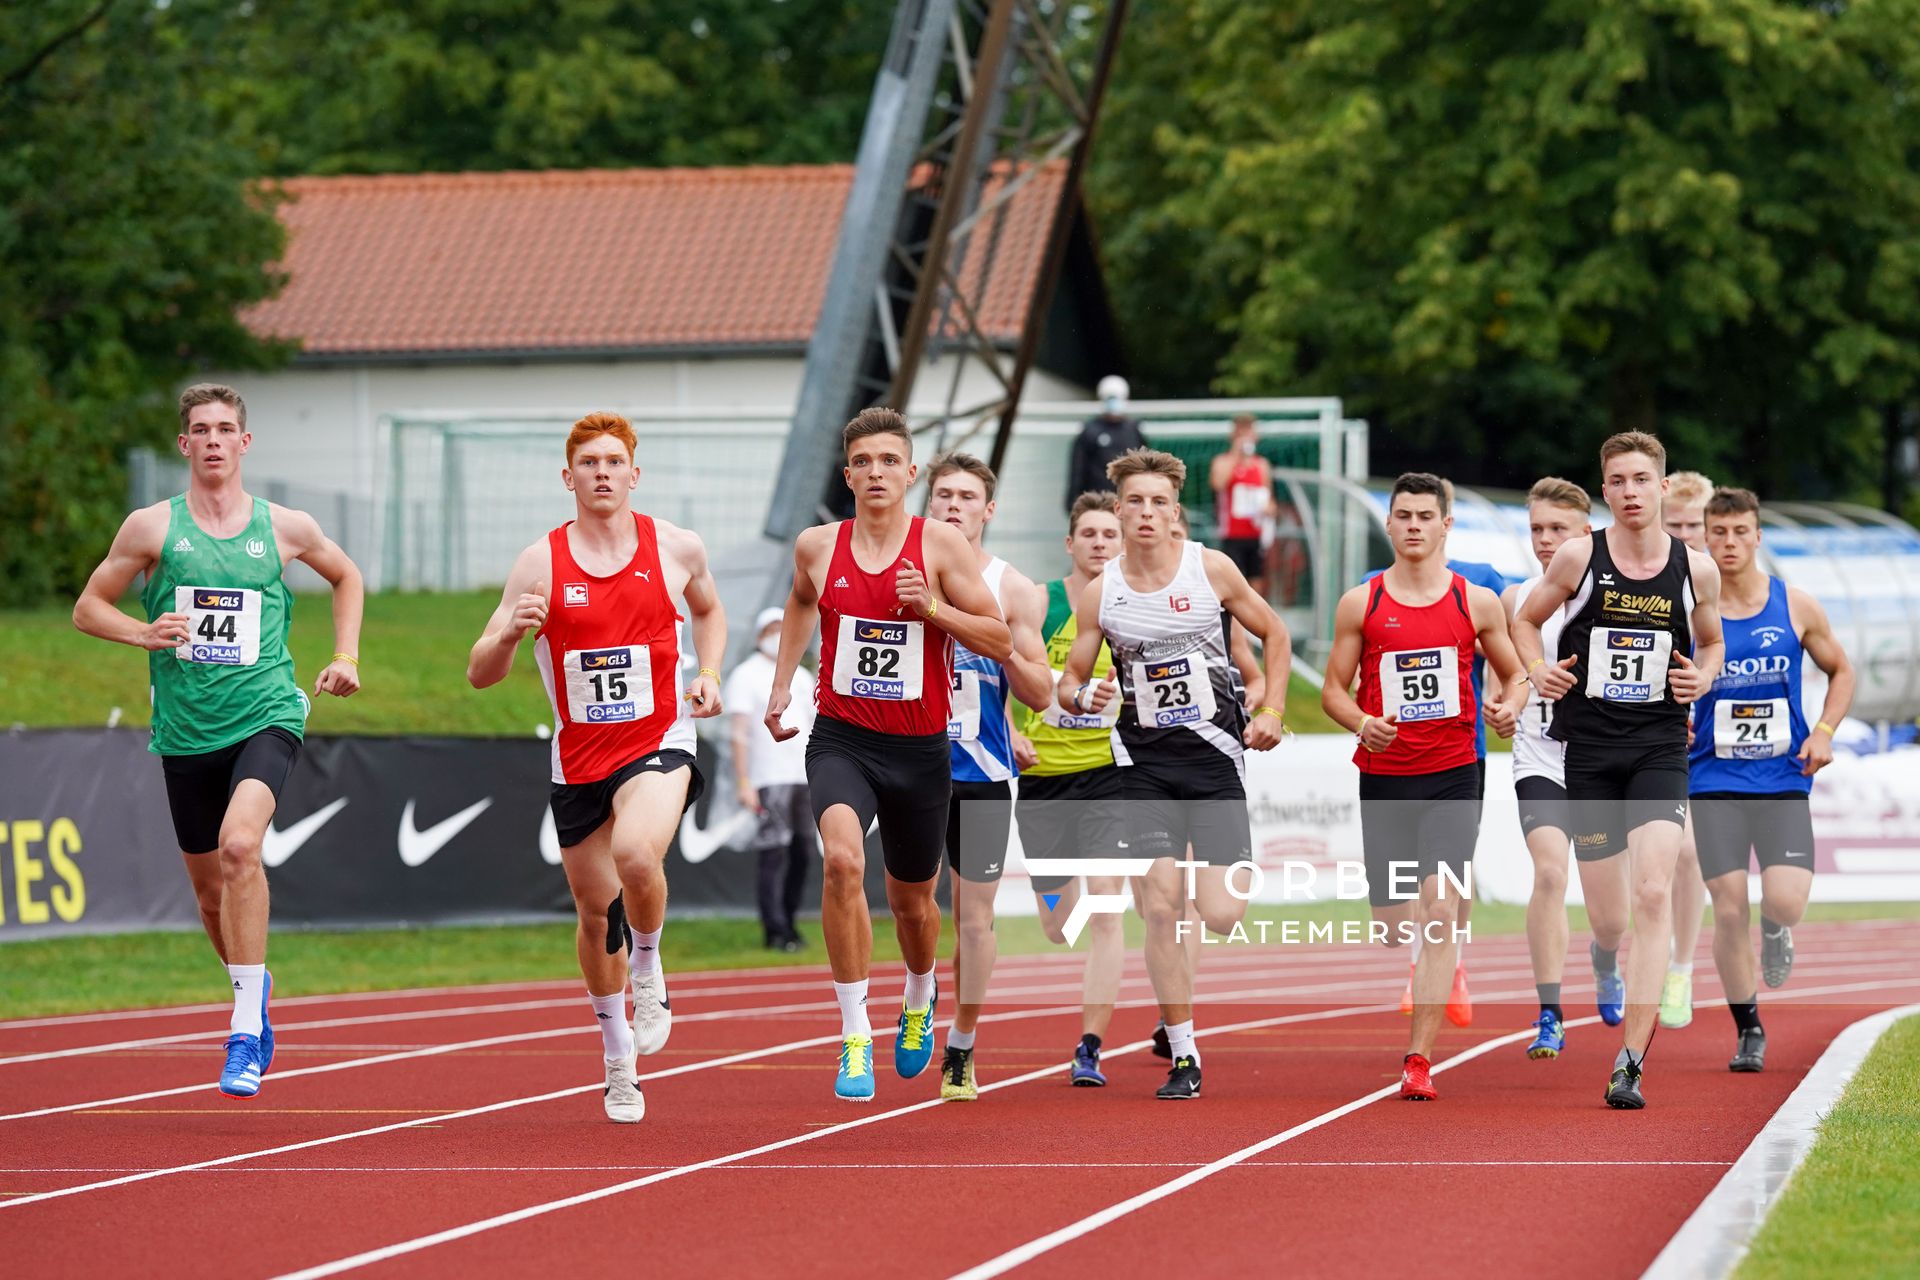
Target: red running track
column 460, row 1133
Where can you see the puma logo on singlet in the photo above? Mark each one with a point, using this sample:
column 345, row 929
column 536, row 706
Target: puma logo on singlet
column 644, row 573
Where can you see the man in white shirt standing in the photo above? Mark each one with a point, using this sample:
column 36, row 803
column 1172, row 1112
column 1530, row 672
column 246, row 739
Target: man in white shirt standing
column 772, row 781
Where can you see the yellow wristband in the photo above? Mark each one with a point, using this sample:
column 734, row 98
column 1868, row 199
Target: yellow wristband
column 933, row 607
column 1269, row 711
column 709, row 671
column 346, row 657
column 1822, row 724
column 1361, row 732
column 1531, row 665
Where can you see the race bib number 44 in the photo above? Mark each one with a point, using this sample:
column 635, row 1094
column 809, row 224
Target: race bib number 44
column 1172, row 692
column 1751, row 730
column 1420, row 684
column 223, row 625
column 874, row 659
column 609, row 686
column 1628, row 666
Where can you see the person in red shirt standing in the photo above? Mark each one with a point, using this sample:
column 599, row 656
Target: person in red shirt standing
column 1410, row 634
column 599, row 592
column 893, row 593
column 1242, row 484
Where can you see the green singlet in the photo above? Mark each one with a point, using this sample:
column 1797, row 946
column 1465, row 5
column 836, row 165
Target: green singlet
column 1067, row 743
column 234, row 676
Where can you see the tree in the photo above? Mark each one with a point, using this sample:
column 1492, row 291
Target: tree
column 128, row 241
column 366, row 86
column 1503, row 229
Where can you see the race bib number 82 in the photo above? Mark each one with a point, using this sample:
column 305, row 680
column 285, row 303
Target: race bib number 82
column 876, row 659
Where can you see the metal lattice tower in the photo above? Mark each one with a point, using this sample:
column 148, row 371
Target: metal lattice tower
column 975, row 100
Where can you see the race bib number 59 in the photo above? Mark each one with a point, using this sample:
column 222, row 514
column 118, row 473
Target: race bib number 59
column 1420, row 684
column 223, row 625
column 875, row 659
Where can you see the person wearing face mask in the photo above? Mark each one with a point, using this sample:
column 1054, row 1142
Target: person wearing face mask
column 1102, row 438
column 1242, row 484
column 771, row 780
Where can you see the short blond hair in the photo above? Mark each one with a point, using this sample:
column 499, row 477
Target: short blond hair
column 211, row 393
column 956, row 461
column 1688, row 489
column 1633, row 442
column 1147, row 462
column 1561, row 493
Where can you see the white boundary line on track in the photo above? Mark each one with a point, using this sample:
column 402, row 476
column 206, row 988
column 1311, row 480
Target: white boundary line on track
column 954, row 1167
column 1324, row 989
column 1716, row 1236
column 601, row 1193
column 1032, row 1249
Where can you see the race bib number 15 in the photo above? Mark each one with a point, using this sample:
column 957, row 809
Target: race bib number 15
column 609, row 686
column 223, row 625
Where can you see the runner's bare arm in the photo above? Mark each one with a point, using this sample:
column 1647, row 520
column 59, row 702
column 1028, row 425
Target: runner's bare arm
column 810, row 550
column 522, row 608
column 1692, row 675
column 1251, row 611
column 1490, row 626
column 1247, row 662
column 135, row 550
column 1816, row 636
column 1551, row 677
column 709, row 620
column 1029, row 678
column 965, row 609
column 1084, row 653
column 1343, row 661
column 308, row 543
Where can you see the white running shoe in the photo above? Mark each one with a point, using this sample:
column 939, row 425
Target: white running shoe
column 652, row 1015
column 625, row 1105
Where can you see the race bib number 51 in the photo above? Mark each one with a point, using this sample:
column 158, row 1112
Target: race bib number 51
column 609, row 686
column 875, row 659
column 223, row 625
column 1628, row 666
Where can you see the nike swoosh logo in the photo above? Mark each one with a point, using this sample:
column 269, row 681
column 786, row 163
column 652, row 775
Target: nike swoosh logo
column 697, row 845
column 417, row 846
column 277, row 846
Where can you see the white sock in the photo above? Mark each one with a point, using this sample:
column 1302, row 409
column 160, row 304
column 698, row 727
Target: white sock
column 919, row 989
column 1180, row 1038
column 249, row 983
column 958, row 1039
column 645, row 956
column 616, row 1037
column 1684, row 970
column 853, row 1008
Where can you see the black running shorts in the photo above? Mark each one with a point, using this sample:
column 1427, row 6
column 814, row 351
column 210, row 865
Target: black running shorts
column 979, row 818
column 1412, row 824
column 199, row 787
column 904, row 780
column 1071, row 815
column 1543, row 804
column 1245, row 554
column 580, row 807
column 1616, row 788
column 1195, row 799
column 1777, row 829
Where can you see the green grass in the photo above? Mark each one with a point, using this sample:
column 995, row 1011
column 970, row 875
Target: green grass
column 136, row 970
column 1853, row 1208
column 413, row 672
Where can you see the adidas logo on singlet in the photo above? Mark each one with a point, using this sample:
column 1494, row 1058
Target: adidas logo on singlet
column 183, row 545
column 841, row 581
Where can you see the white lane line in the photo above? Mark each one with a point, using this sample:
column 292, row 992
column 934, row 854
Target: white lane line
column 1027, row 1252
column 1713, row 1239
column 587, row 1197
column 891, row 1167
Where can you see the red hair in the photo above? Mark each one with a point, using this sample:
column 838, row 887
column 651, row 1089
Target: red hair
column 595, row 425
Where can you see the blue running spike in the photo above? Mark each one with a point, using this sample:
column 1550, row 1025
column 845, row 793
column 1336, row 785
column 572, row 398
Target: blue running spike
column 1051, row 899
